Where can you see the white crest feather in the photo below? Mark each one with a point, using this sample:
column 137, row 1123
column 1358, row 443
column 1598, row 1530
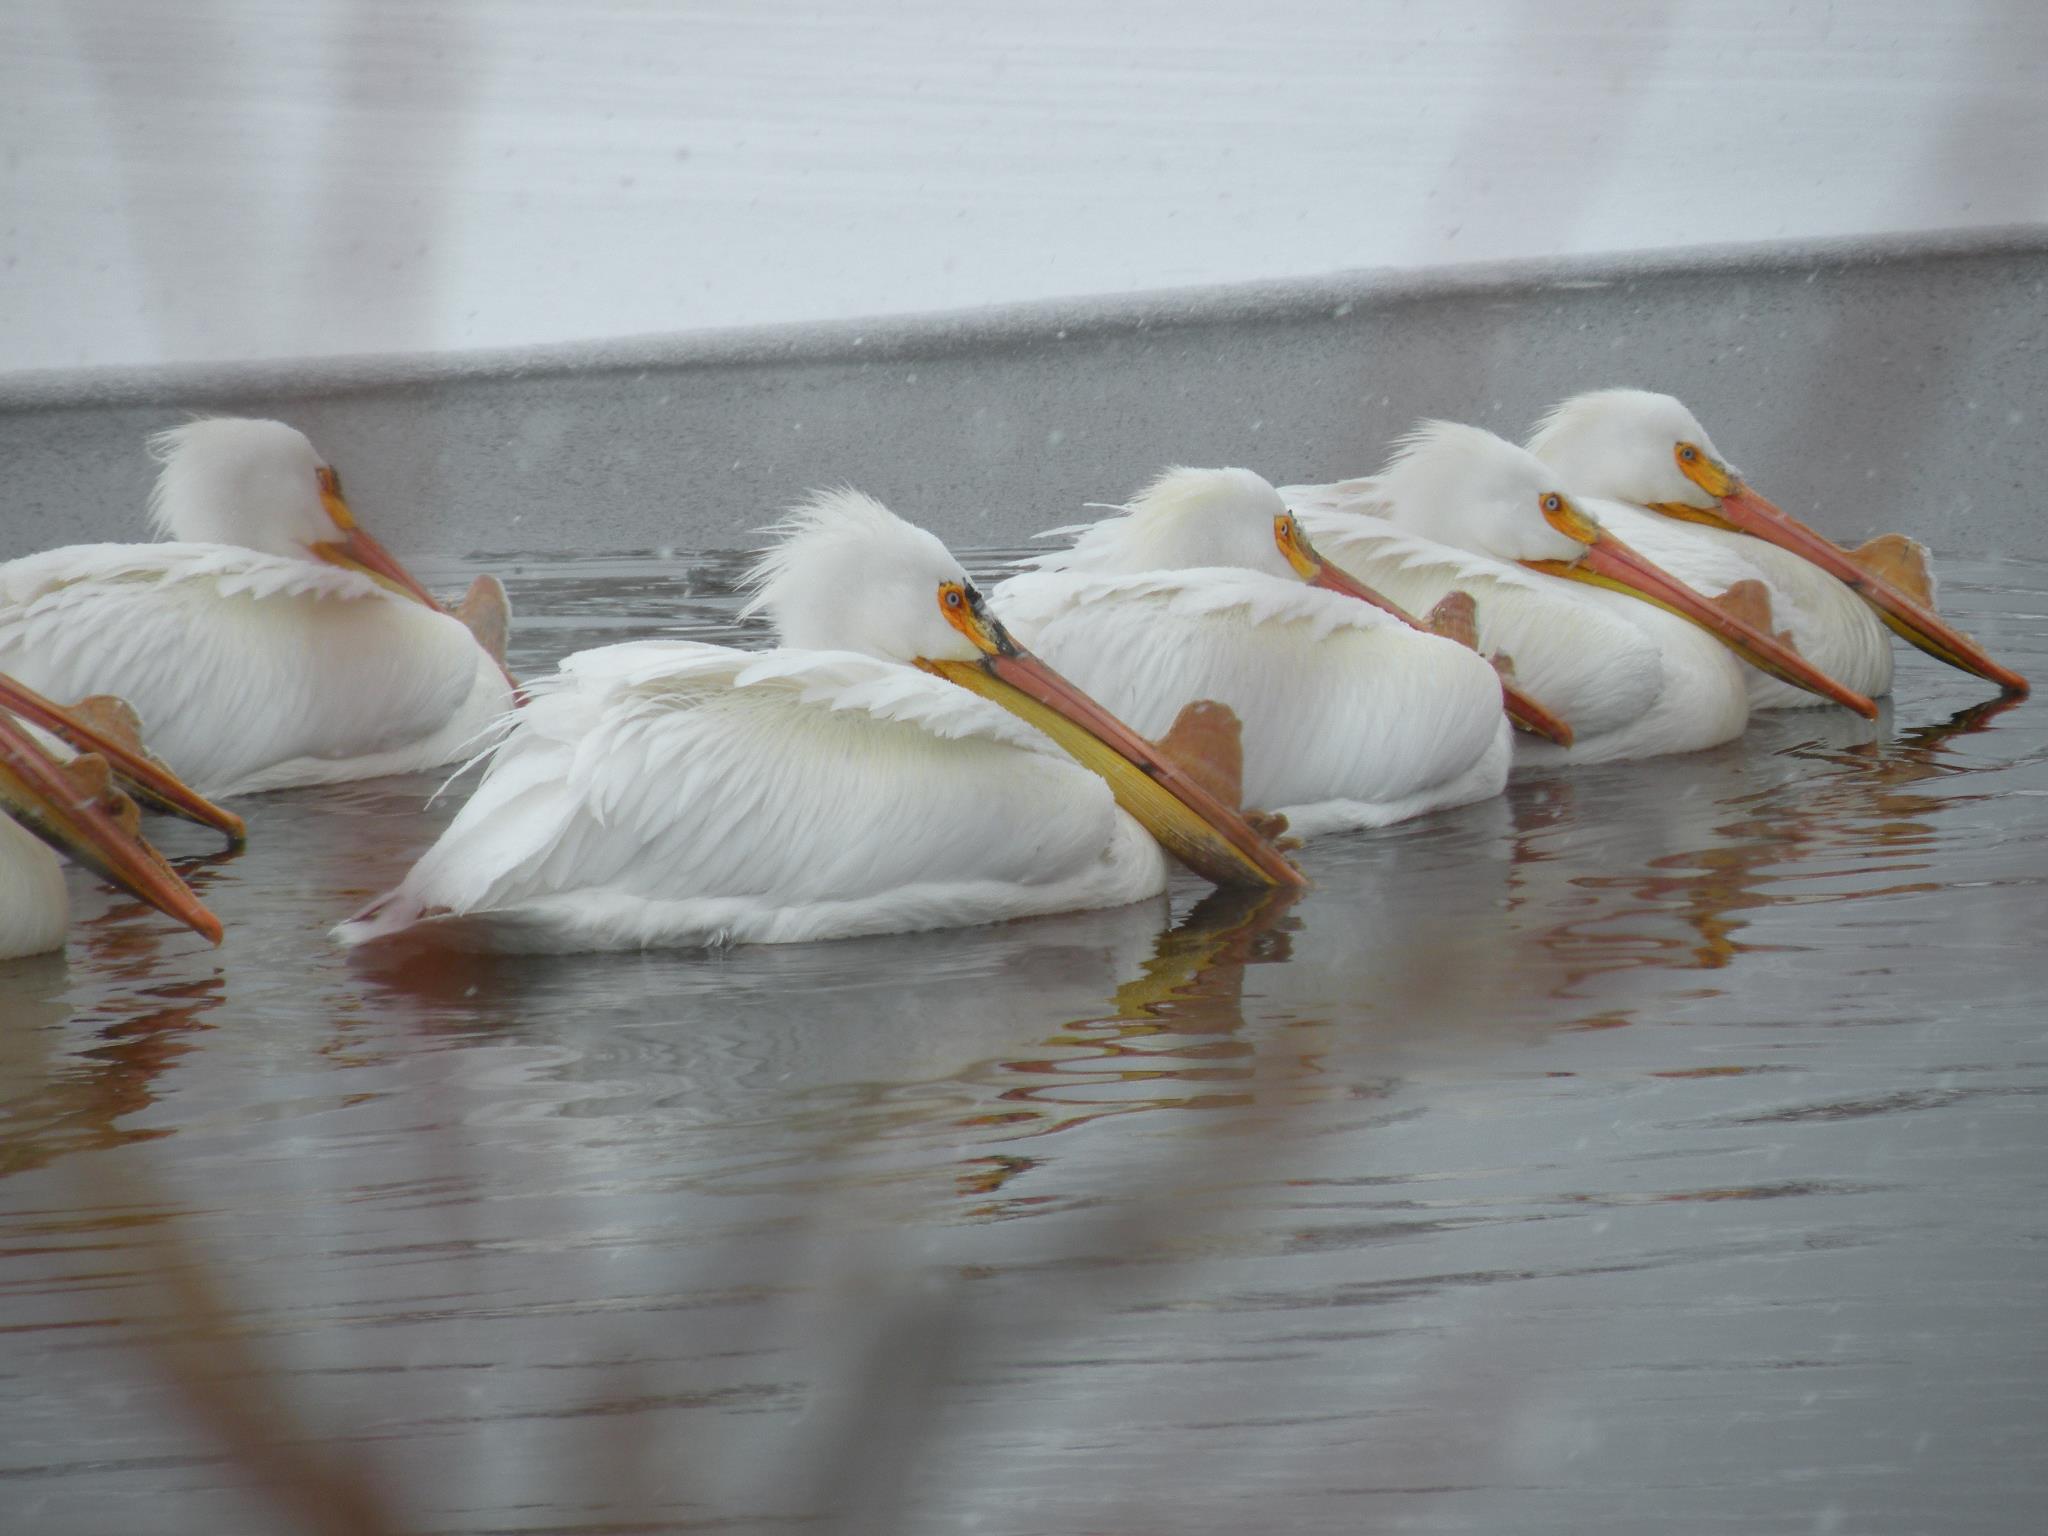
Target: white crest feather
column 846, row 574
column 241, row 481
column 1184, row 519
column 1620, row 444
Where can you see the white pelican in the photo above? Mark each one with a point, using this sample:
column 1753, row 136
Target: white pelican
column 1461, row 509
column 1352, row 718
column 76, row 807
column 667, row 792
column 271, row 643
column 1648, row 450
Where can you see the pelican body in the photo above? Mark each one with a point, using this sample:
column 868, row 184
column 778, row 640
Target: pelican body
column 1351, row 717
column 1690, row 509
column 849, row 781
column 35, row 906
column 270, row 642
column 1635, row 661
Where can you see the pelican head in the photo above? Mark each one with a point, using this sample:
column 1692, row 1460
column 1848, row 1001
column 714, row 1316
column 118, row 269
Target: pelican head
column 846, row 573
column 260, row 485
column 1466, row 486
column 1187, row 519
column 1635, row 446
column 1198, row 519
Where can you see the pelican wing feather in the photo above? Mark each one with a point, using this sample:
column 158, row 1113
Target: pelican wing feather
column 248, row 671
column 673, row 792
column 1350, row 717
column 1579, row 659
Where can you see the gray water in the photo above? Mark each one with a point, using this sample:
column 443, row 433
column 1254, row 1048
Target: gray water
column 1657, row 1147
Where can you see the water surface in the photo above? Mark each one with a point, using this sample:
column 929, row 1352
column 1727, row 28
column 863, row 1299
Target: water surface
column 1658, row 1146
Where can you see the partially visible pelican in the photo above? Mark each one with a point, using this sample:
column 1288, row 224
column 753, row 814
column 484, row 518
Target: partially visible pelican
column 272, row 642
column 76, row 808
column 1639, row 663
column 667, row 792
column 108, row 728
column 1352, row 718
column 1648, row 450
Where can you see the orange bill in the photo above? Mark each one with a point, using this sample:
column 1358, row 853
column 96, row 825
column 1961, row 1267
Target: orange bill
column 1744, row 511
column 1528, row 715
column 1608, row 562
column 357, row 550
column 142, row 776
column 1211, row 838
column 80, row 815
column 1524, row 711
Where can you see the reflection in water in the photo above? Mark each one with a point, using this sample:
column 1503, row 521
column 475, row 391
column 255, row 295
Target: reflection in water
column 1790, row 842
column 862, row 1113
column 1170, row 1030
column 637, row 1242
column 143, row 1021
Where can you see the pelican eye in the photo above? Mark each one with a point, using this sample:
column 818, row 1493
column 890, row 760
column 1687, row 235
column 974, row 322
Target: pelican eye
column 1553, row 502
column 330, row 480
column 1688, row 454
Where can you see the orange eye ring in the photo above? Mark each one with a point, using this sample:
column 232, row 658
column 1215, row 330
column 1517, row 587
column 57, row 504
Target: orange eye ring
column 961, row 606
column 1688, row 454
column 1552, row 502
